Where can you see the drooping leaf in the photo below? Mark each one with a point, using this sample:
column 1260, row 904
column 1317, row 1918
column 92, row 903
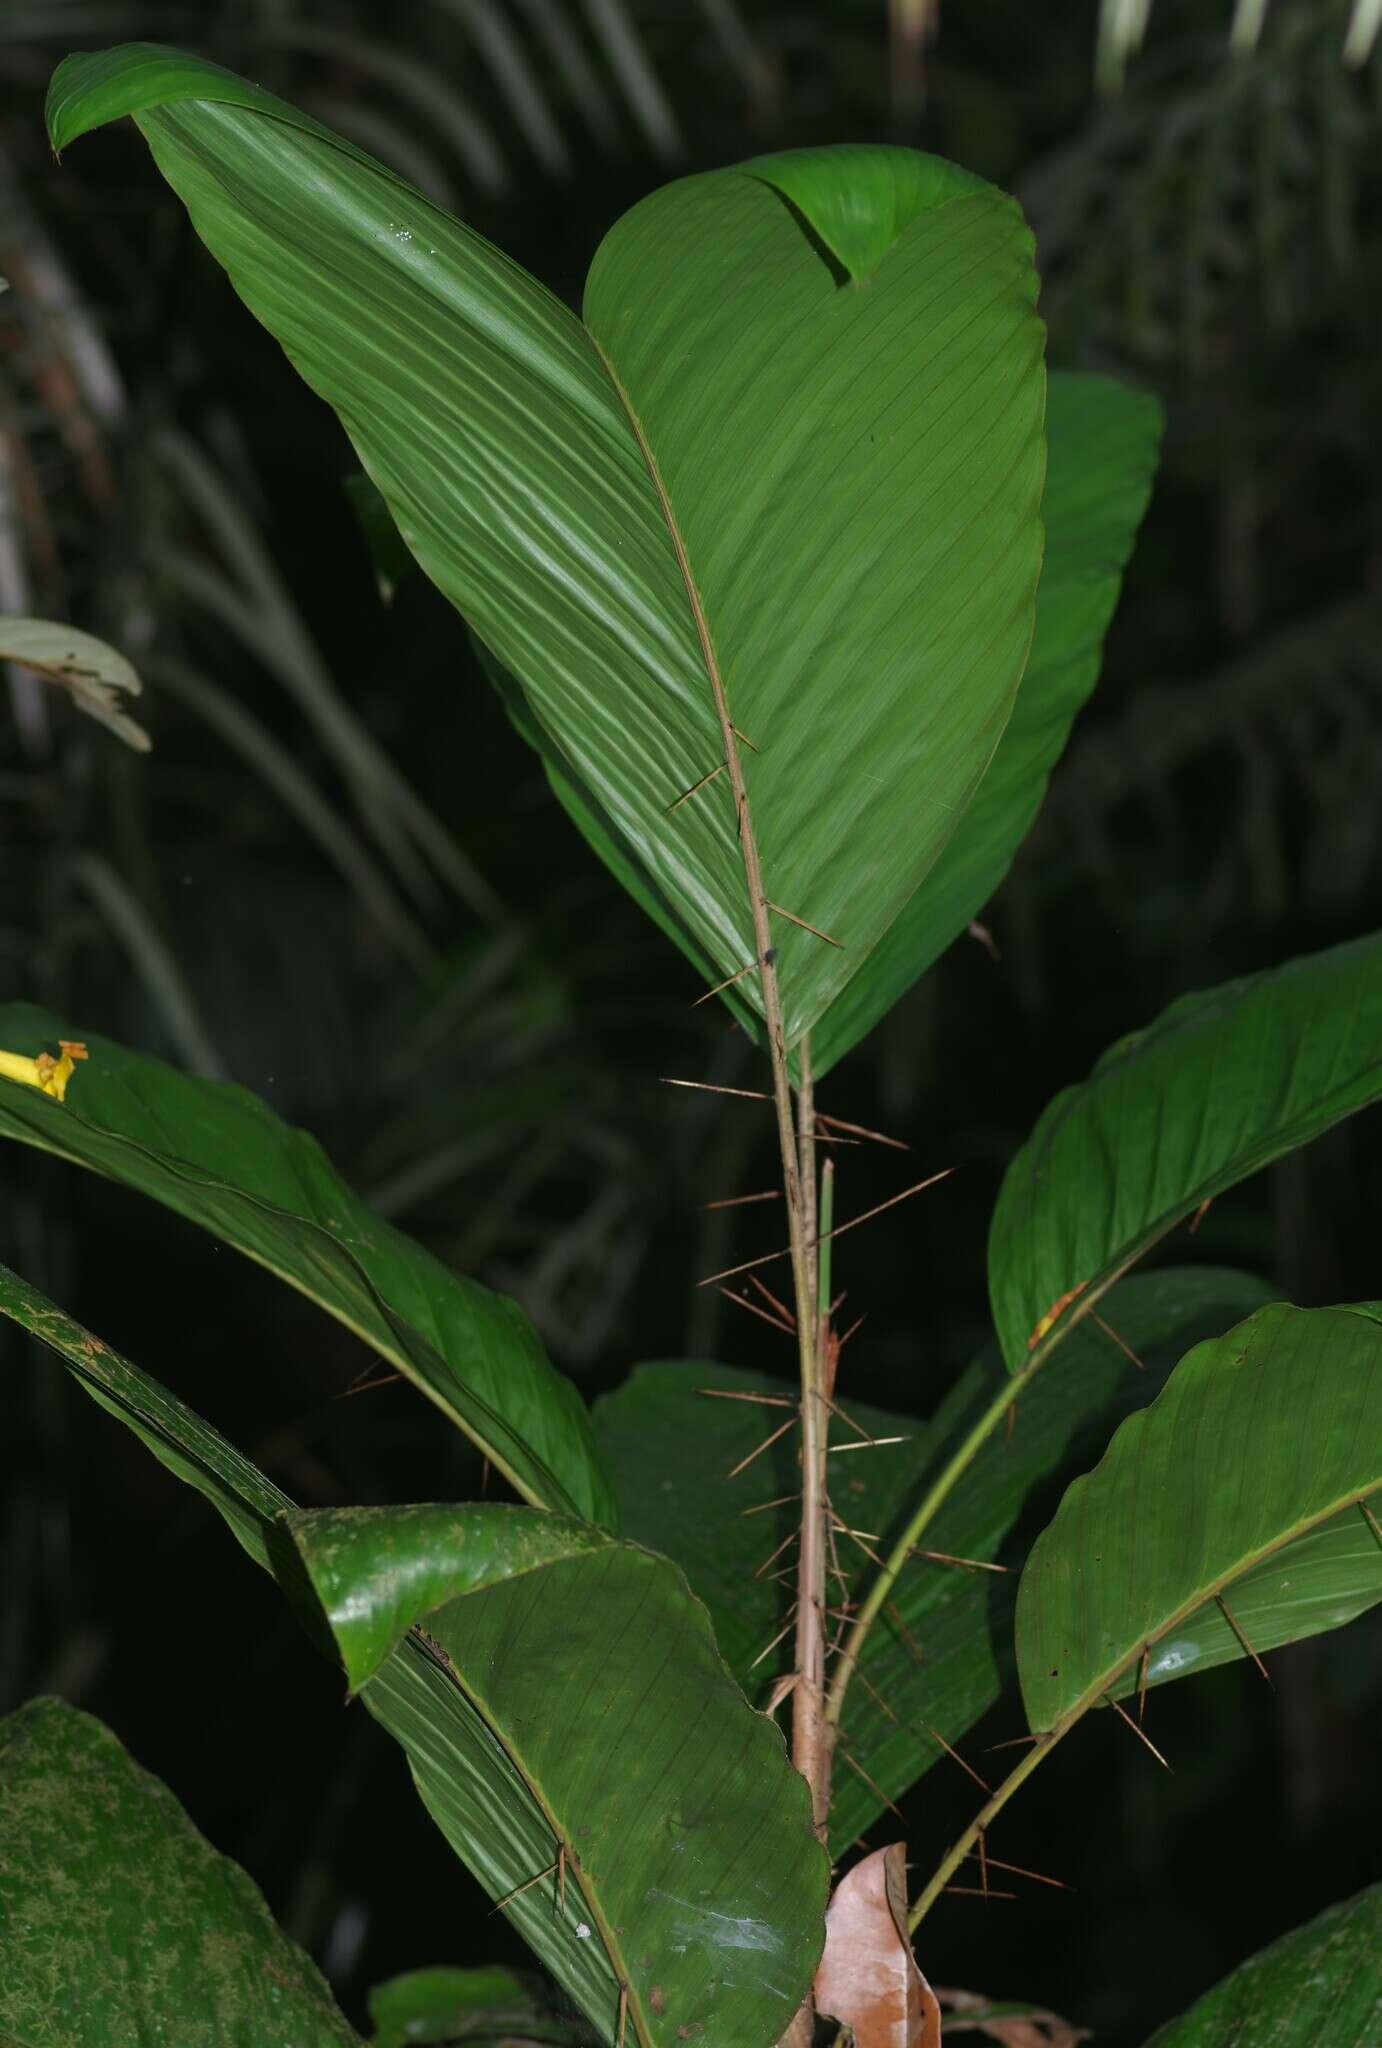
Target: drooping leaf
column 936, row 1655
column 685, row 1832
column 491, row 2007
column 481, row 1702
column 1221, row 1084
column 96, row 676
column 820, row 496
column 1260, row 1439
column 219, row 1156
column 118, row 1920
column 1013, row 2023
column 1320, row 1986
column 1102, row 443
column 868, row 1978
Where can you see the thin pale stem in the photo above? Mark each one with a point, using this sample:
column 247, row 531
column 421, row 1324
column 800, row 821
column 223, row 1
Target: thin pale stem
column 810, row 1733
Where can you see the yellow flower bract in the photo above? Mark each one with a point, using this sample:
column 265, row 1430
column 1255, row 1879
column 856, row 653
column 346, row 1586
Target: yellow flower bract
column 43, row 1071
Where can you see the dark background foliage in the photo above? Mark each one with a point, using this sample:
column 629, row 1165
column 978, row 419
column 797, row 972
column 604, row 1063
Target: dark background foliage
column 422, row 962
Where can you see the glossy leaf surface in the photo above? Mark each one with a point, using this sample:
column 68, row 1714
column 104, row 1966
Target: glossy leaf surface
column 686, row 1831
column 671, row 1449
column 1320, row 1986
column 1260, row 1438
column 1102, row 443
column 1222, row 1083
column 676, row 1768
column 120, row 1922
column 747, row 470
column 218, row 1155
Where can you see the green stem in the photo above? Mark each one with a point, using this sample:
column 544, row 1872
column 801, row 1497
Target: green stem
column 950, row 1863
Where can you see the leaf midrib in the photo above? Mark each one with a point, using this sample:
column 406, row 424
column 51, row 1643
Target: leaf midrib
column 1098, row 1688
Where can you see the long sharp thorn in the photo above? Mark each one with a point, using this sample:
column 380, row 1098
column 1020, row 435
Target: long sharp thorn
column 1037, row 1876
column 754, row 1310
column 954, row 1754
column 1013, row 1742
column 837, row 1123
column 738, row 1201
column 767, row 1258
column 775, row 1641
column 1122, row 1344
column 875, row 1444
column 728, row 982
column 781, row 1687
column 687, row 794
column 855, row 1765
column 623, row 2013
column 732, row 1394
column 713, row 1088
column 772, row 1300
column 1143, row 1664
column 734, row 1472
column 790, row 1537
column 983, row 1862
column 367, row 1386
column 1370, row 1518
column 1140, row 1733
column 877, row 1697
column 968, row 1564
column 792, row 918
column 857, row 1324
column 972, row 1891
column 848, row 1420
column 1198, row 1218
column 908, row 1638
column 745, row 738
column 762, row 1505
column 1232, row 1621
column 519, row 1889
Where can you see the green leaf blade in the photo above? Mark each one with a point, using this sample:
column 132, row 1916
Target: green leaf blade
column 121, row 1922
column 687, row 1833
column 217, row 1155
column 860, row 520
column 1259, row 1439
column 1320, row 1986
column 1102, row 445
column 669, row 1448
column 1222, row 1083
column 853, row 476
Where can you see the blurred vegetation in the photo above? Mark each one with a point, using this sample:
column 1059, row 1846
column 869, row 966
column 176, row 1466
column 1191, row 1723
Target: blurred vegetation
column 339, row 877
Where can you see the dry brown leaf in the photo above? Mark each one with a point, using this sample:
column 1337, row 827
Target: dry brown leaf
column 868, row 1976
column 1011, row 2026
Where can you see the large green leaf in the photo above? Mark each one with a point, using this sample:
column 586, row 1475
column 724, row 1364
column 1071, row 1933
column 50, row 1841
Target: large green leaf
column 1260, row 1439
column 687, row 1833
column 1102, row 445
column 1222, row 1083
column 219, row 1156
column 747, row 471
column 577, row 1683
column 1102, row 442
column 1320, row 1986
column 670, row 1449
column 119, row 1923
